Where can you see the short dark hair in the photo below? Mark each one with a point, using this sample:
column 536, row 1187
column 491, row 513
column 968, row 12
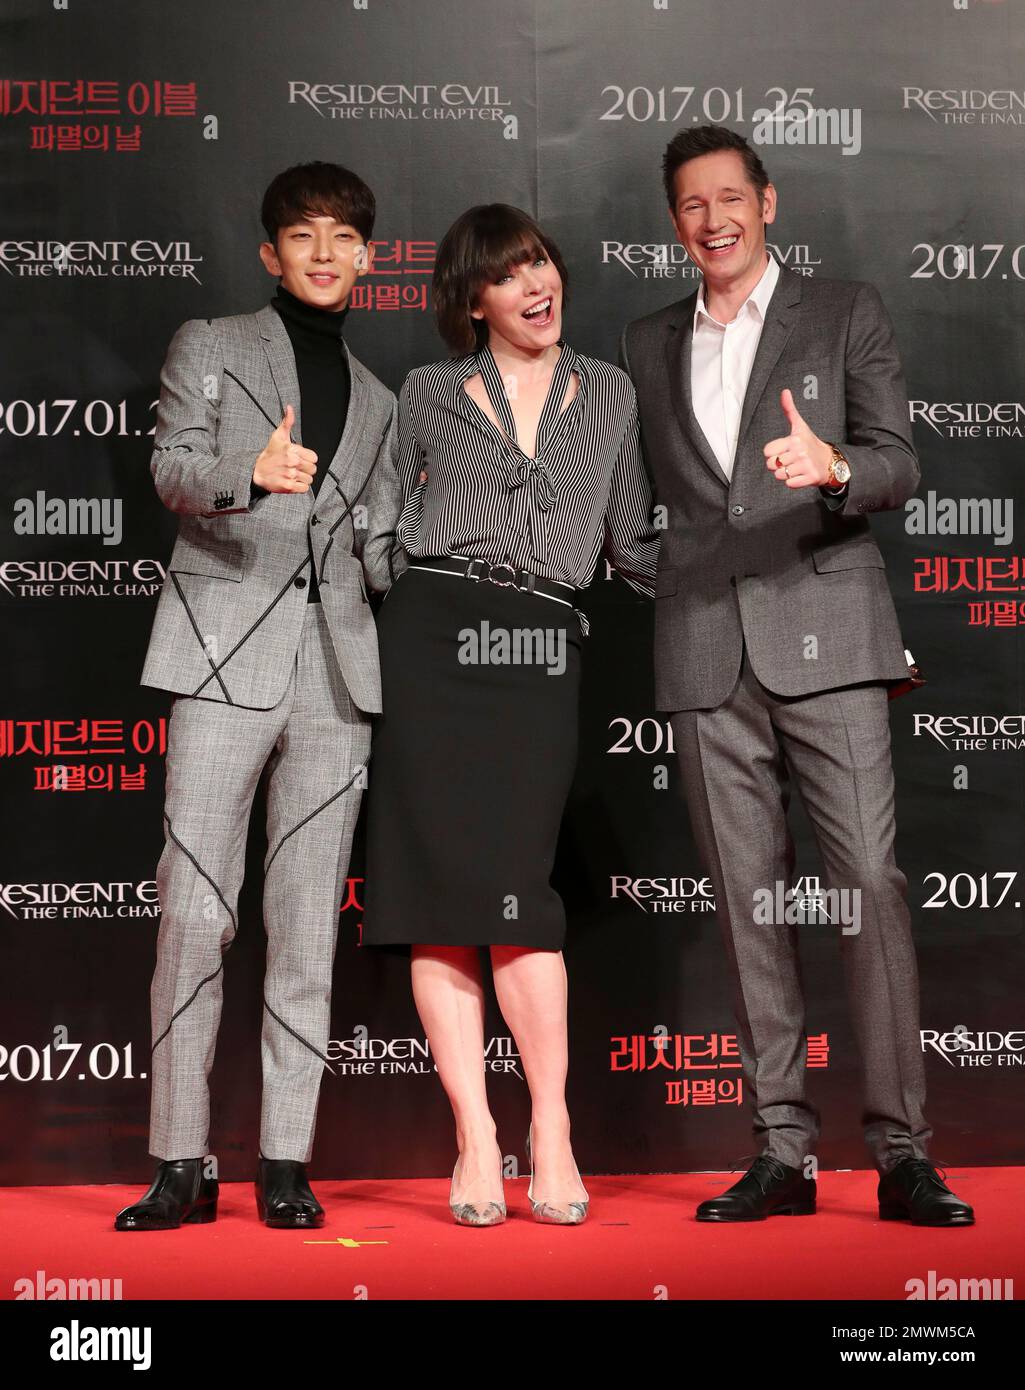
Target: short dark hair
column 317, row 189
column 709, row 139
column 480, row 246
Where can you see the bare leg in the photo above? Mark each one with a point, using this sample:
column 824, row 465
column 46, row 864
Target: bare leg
column 450, row 1001
column 532, row 989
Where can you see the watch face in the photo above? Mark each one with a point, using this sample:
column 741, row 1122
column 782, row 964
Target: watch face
column 841, row 471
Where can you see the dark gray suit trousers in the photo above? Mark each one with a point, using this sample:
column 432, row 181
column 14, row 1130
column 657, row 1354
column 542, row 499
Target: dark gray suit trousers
column 737, row 763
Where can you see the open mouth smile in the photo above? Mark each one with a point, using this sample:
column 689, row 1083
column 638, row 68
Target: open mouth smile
column 539, row 314
column 720, row 245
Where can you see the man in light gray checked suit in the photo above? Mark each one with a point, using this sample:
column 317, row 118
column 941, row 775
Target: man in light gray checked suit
column 776, row 641
column 275, row 447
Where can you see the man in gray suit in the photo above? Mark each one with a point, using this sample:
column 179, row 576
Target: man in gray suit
column 274, row 446
column 774, row 418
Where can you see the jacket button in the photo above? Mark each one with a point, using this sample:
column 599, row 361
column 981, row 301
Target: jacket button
column 314, row 520
column 300, row 583
column 737, row 510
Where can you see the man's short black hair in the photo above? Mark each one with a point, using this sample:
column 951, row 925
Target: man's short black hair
column 317, row 189
column 709, row 139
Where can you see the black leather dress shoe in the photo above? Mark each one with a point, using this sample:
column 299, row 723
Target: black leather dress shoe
column 914, row 1191
column 283, row 1195
column 180, row 1195
column 768, row 1188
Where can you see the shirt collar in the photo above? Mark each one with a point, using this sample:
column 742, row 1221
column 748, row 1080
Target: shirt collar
column 758, row 299
column 470, row 363
column 482, row 360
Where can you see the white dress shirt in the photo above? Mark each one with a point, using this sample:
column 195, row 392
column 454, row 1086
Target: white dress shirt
column 722, row 355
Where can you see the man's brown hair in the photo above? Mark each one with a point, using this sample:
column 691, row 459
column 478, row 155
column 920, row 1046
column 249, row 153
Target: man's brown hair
column 709, row 139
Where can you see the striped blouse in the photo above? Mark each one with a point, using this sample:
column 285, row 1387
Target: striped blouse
column 584, row 493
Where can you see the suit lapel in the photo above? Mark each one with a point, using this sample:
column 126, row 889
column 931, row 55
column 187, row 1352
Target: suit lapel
column 340, row 466
column 780, row 316
column 678, row 344
column 277, row 347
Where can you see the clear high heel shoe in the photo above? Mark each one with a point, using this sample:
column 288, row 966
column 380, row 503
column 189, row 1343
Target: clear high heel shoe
column 467, row 1214
column 572, row 1214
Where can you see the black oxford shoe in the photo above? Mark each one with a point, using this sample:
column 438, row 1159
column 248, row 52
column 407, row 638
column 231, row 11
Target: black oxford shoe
column 180, row 1196
column 768, row 1188
column 283, row 1195
column 914, row 1191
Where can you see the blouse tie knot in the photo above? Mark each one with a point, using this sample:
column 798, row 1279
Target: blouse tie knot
column 523, row 469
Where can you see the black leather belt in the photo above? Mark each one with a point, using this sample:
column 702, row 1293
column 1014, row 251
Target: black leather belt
column 504, row 575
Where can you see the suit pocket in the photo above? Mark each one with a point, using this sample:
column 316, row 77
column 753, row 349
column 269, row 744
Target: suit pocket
column 188, row 558
column 848, row 556
column 666, row 581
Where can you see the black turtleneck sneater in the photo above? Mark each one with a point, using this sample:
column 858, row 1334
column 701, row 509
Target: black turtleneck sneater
column 324, row 386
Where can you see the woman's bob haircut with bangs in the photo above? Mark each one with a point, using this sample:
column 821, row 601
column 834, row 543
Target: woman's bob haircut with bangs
column 478, row 249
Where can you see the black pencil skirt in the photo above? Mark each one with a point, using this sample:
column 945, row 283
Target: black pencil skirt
column 472, row 763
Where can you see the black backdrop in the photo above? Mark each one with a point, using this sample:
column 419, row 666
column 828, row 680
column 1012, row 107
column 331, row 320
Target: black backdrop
column 137, row 140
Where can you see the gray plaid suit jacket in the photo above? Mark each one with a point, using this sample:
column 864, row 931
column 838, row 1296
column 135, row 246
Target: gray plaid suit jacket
column 746, row 559
column 230, row 615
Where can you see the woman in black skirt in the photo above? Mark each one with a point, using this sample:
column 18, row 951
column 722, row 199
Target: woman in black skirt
column 520, row 466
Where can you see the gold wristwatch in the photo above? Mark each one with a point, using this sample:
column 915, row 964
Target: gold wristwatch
column 839, row 469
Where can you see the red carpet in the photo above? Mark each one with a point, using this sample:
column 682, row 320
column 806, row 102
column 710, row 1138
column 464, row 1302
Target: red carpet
column 640, row 1237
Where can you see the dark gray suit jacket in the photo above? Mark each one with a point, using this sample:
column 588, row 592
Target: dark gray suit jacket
column 749, row 559
column 231, row 612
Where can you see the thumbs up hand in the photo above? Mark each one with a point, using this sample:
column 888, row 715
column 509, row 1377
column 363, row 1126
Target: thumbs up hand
column 283, row 434
column 800, row 458
column 284, row 466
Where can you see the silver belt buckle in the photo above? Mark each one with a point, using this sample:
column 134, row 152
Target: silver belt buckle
column 503, row 583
